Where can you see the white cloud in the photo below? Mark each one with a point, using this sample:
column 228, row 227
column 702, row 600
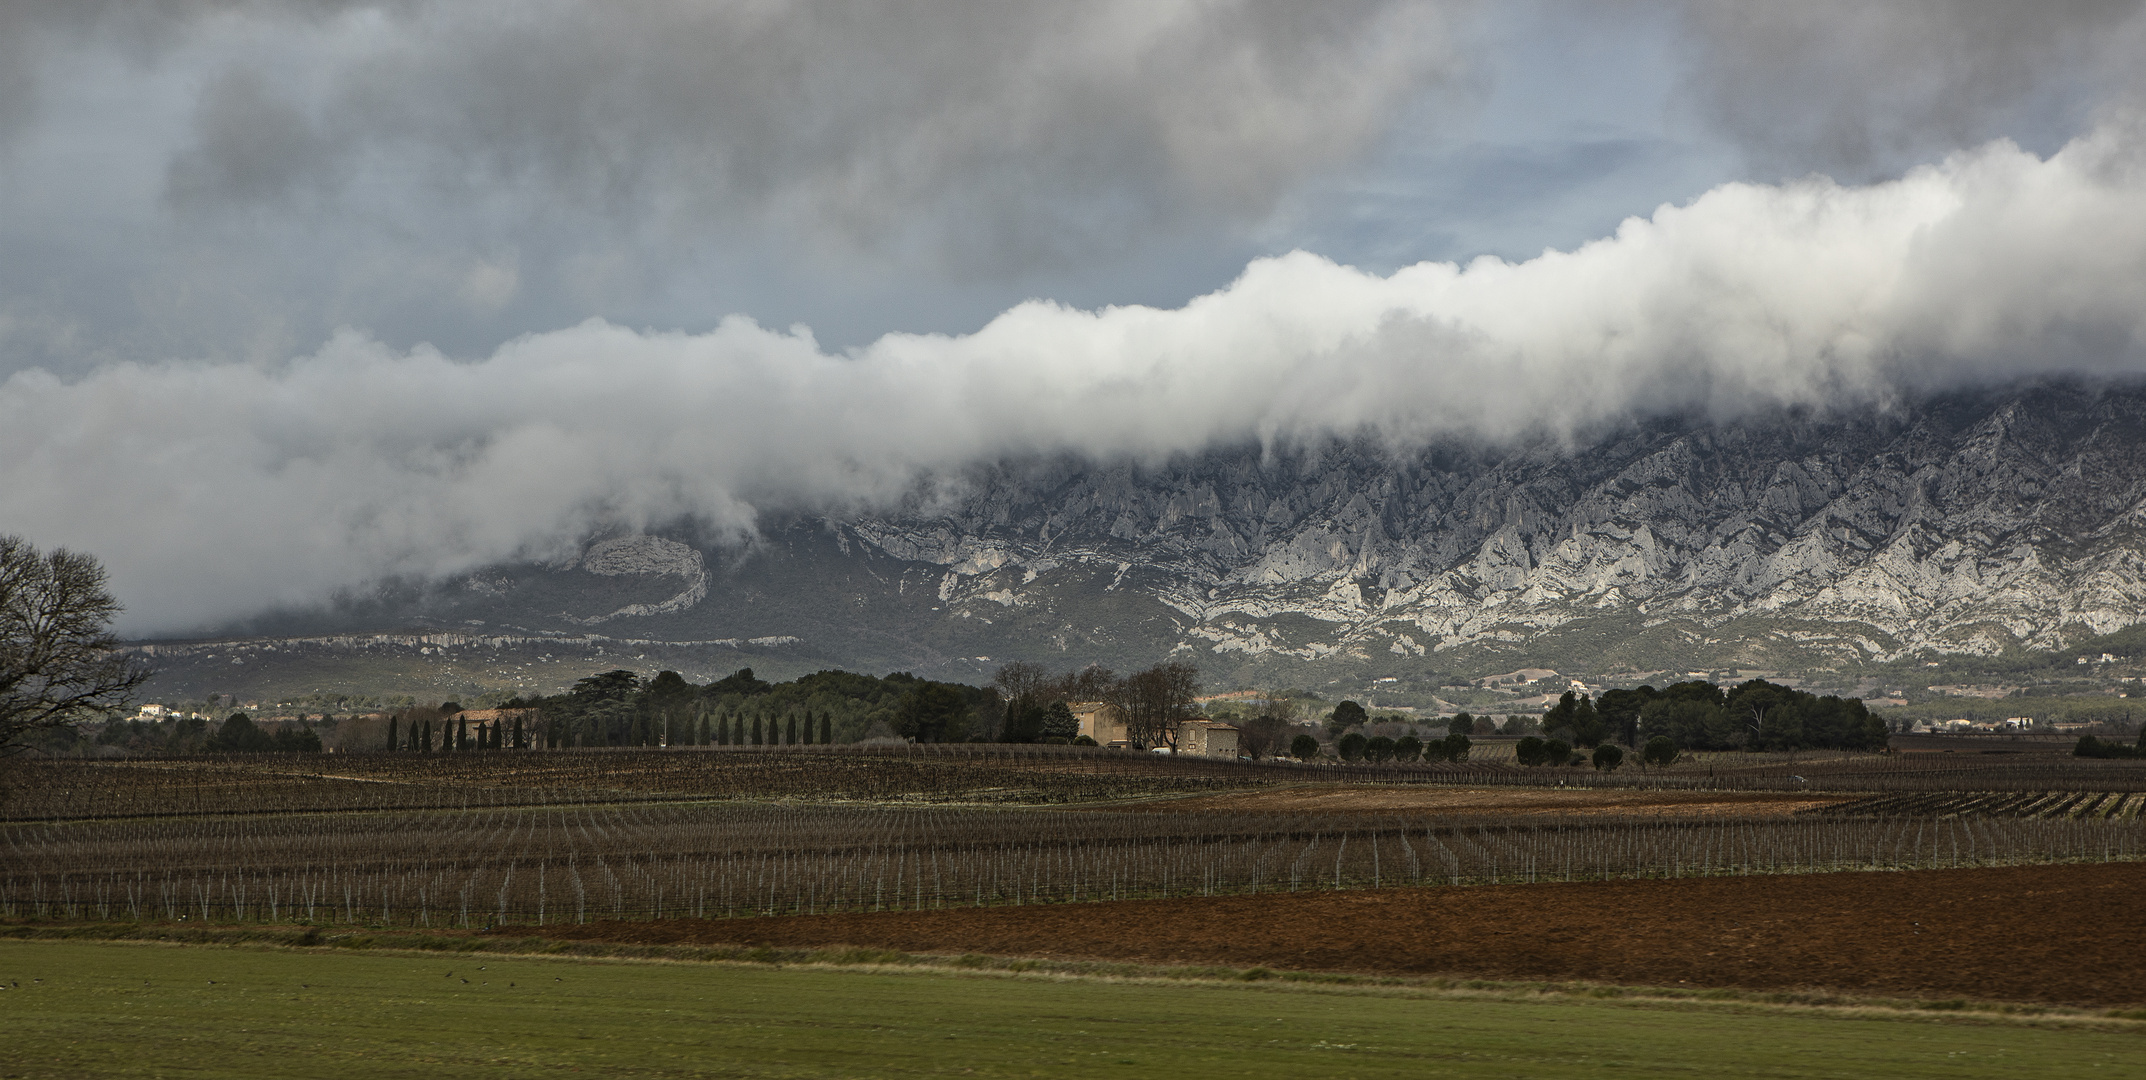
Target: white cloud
column 214, row 490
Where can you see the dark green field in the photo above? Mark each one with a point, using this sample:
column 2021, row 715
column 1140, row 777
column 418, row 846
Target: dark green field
column 99, row 1009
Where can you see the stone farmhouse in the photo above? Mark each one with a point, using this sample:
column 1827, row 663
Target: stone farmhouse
column 1105, row 723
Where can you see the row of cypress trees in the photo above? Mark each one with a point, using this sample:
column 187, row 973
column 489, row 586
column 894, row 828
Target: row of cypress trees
column 487, row 736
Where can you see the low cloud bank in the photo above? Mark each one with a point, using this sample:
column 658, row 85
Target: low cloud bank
column 217, row 490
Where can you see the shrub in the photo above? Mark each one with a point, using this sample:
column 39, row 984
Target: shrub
column 1083, row 740
column 2092, row 747
column 1661, row 750
column 1304, row 748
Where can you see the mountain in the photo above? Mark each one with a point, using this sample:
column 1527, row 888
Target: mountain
column 1788, row 541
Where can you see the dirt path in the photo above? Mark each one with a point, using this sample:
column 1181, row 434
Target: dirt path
column 2058, row 934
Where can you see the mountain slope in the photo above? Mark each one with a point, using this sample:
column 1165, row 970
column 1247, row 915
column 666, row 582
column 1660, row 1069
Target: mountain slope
column 1967, row 523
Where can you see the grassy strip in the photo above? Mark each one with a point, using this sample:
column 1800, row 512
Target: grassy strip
column 93, row 1008
column 504, row 945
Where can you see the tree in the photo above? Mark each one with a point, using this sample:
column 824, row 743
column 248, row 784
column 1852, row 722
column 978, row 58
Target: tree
column 1155, row 702
column 1267, row 734
column 1456, row 747
column 1351, row 746
column 240, row 735
column 1304, row 748
column 1407, row 748
column 1619, row 710
column 1557, row 753
column 1661, row 752
column 790, row 736
column 1059, row 721
column 1346, row 715
column 932, row 712
column 391, row 722
column 1608, row 757
column 1378, row 748
column 827, row 728
column 58, row 660
column 756, row 731
column 299, row 740
column 1529, row 751
column 1461, row 724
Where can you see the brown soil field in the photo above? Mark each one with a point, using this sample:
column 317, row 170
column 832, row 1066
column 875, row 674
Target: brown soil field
column 2064, row 934
column 1385, row 799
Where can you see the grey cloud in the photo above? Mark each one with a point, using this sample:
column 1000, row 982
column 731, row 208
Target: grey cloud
column 993, row 135
column 250, row 147
column 1857, row 88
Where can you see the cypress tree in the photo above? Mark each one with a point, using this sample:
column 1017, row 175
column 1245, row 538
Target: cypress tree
column 722, row 730
column 791, row 738
column 827, row 729
column 703, row 740
column 808, row 727
column 461, row 732
column 391, row 734
column 756, row 731
column 426, row 746
column 518, row 743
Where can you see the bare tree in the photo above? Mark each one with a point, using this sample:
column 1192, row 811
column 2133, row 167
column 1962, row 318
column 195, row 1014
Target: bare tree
column 1155, row 702
column 1267, row 733
column 58, row 661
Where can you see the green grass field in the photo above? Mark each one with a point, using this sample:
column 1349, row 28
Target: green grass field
column 109, row 1009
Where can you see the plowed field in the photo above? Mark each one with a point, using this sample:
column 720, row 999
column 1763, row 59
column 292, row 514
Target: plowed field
column 1502, row 801
column 2067, row 934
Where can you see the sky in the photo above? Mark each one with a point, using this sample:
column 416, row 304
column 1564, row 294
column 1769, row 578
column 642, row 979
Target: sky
column 298, row 296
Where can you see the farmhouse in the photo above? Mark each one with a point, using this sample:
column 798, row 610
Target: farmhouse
column 1207, row 738
column 1105, row 723
column 1101, row 721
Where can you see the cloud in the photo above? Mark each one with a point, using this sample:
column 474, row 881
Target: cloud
column 989, row 134
column 1855, row 88
column 219, row 177
column 215, row 490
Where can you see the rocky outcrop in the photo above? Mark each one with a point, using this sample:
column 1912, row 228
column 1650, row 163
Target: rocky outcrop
column 1963, row 523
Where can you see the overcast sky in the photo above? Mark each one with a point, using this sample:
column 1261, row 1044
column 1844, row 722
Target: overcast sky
column 295, row 295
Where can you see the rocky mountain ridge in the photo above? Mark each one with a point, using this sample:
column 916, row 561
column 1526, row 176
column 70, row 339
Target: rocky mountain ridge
column 1965, row 523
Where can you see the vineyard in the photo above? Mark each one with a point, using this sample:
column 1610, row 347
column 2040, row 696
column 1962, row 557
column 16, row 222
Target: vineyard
column 488, row 839
column 2104, row 805
column 62, row 789
column 506, row 866
column 971, row 774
